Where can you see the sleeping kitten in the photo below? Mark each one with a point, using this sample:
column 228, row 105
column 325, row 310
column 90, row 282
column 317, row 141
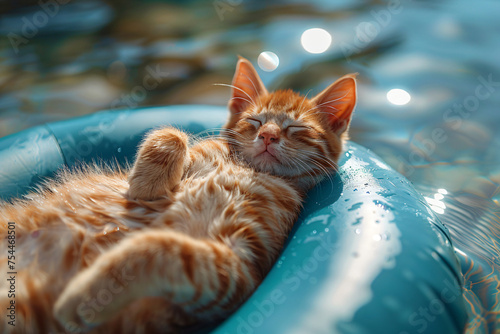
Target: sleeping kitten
column 189, row 233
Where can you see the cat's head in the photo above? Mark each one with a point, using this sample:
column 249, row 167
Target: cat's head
column 284, row 133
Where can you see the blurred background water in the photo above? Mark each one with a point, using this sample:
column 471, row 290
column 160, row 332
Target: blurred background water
column 428, row 86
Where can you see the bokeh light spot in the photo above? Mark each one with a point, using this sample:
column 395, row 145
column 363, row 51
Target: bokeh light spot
column 398, row 96
column 268, row 61
column 316, row 40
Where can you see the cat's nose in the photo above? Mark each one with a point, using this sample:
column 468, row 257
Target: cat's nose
column 270, row 133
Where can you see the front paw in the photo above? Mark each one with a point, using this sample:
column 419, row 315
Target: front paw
column 91, row 298
column 161, row 161
column 73, row 309
column 67, row 311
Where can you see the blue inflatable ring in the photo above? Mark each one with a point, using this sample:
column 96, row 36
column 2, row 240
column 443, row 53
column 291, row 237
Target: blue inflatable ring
column 366, row 256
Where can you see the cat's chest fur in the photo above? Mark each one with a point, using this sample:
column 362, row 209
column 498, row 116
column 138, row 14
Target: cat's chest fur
column 219, row 191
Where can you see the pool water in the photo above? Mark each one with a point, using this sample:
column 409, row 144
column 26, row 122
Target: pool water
column 429, row 83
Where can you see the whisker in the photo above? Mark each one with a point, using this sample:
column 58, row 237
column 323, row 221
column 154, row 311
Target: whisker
column 241, row 90
column 298, row 161
column 228, row 140
column 330, row 163
column 241, row 98
column 325, row 172
column 221, row 132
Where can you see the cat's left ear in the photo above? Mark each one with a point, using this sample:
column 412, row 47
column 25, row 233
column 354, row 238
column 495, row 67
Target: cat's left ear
column 337, row 102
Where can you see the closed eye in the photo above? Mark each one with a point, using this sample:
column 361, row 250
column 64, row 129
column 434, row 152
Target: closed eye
column 254, row 122
column 295, row 128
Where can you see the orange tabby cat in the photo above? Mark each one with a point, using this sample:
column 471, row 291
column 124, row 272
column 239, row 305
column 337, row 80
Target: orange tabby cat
column 189, row 233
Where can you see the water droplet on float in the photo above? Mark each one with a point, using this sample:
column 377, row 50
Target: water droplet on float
column 314, row 232
column 358, row 221
column 357, row 231
column 119, row 149
column 327, row 229
column 377, row 237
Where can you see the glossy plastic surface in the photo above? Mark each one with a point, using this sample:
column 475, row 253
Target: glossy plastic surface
column 366, row 256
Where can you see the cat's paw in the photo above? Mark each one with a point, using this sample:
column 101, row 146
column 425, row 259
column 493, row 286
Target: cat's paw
column 74, row 307
column 93, row 297
column 66, row 312
column 161, row 161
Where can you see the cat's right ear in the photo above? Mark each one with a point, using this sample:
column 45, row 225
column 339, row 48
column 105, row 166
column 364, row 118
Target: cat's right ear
column 246, row 87
column 337, row 102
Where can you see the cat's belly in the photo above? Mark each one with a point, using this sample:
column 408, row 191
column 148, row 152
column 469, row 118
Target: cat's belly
column 230, row 195
column 66, row 226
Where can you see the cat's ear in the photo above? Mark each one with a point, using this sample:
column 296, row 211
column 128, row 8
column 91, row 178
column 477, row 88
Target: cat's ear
column 337, row 102
column 247, row 87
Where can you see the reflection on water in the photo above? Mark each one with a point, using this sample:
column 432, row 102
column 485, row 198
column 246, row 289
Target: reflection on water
column 440, row 128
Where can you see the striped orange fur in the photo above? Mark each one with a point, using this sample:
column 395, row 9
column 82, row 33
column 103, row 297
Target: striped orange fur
column 186, row 235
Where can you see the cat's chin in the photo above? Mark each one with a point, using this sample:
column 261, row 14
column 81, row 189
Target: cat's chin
column 265, row 162
column 268, row 163
column 266, row 158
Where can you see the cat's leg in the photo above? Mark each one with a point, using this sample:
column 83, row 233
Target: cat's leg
column 162, row 159
column 205, row 277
